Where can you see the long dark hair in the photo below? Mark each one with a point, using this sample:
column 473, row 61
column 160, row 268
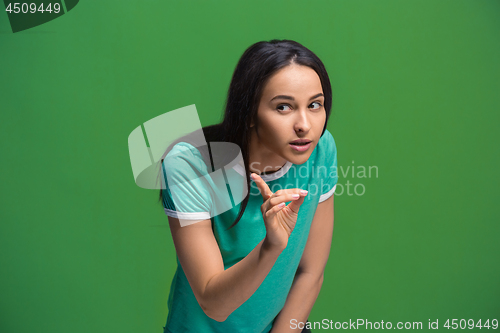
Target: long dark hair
column 257, row 64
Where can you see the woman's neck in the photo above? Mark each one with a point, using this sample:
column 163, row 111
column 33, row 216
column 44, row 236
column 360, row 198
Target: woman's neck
column 263, row 161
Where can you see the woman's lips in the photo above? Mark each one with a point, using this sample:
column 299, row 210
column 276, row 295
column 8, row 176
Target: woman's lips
column 301, row 147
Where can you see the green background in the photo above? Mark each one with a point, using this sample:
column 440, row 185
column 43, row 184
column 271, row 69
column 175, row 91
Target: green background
column 416, row 93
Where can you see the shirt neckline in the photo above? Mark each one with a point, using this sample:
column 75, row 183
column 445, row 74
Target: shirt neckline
column 267, row 178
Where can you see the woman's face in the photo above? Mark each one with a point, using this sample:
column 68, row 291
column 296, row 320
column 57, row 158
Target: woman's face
column 291, row 108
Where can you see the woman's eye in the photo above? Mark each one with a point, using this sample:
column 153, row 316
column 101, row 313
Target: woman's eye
column 283, row 107
column 315, row 105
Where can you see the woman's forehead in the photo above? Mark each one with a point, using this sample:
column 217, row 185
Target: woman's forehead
column 293, row 80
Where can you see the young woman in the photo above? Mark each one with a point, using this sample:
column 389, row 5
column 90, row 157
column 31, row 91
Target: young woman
column 257, row 267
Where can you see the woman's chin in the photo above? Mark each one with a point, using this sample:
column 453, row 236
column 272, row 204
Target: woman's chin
column 298, row 160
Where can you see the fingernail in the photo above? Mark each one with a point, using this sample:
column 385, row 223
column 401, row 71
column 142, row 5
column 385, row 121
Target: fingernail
column 252, row 176
column 295, row 196
column 303, row 192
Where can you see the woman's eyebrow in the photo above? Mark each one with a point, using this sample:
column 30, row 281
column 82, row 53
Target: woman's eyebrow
column 316, row 96
column 282, row 97
column 291, row 98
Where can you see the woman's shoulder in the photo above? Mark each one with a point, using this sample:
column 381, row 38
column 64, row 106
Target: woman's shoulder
column 327, row 138
column 181, row 147
column 326, row 145
column 183, row 157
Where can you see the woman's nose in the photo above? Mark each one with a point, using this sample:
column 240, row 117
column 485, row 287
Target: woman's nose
column 303, row 123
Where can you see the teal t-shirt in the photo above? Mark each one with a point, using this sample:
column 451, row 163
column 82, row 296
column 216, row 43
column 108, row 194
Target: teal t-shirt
column 191, row 196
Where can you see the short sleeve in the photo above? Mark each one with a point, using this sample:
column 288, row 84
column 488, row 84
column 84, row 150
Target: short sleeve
column 328, row 155
column 186, row 194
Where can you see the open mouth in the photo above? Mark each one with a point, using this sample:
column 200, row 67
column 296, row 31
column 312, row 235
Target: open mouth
column 301, row 146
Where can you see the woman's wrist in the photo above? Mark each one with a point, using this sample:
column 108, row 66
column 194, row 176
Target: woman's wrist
column 270, row 248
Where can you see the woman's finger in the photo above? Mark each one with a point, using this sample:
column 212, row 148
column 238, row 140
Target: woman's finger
column 289, row 195
column 262, row 186
column 275, row 210
column 276, row 200
column 295, row 205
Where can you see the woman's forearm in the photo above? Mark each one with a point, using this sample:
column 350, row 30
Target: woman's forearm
column 229, row 289
column 299, row 303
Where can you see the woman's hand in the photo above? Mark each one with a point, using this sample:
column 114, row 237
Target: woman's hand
column 279, row 219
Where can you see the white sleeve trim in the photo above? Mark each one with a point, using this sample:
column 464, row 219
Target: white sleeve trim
column 187, row 216
column 325, row 196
